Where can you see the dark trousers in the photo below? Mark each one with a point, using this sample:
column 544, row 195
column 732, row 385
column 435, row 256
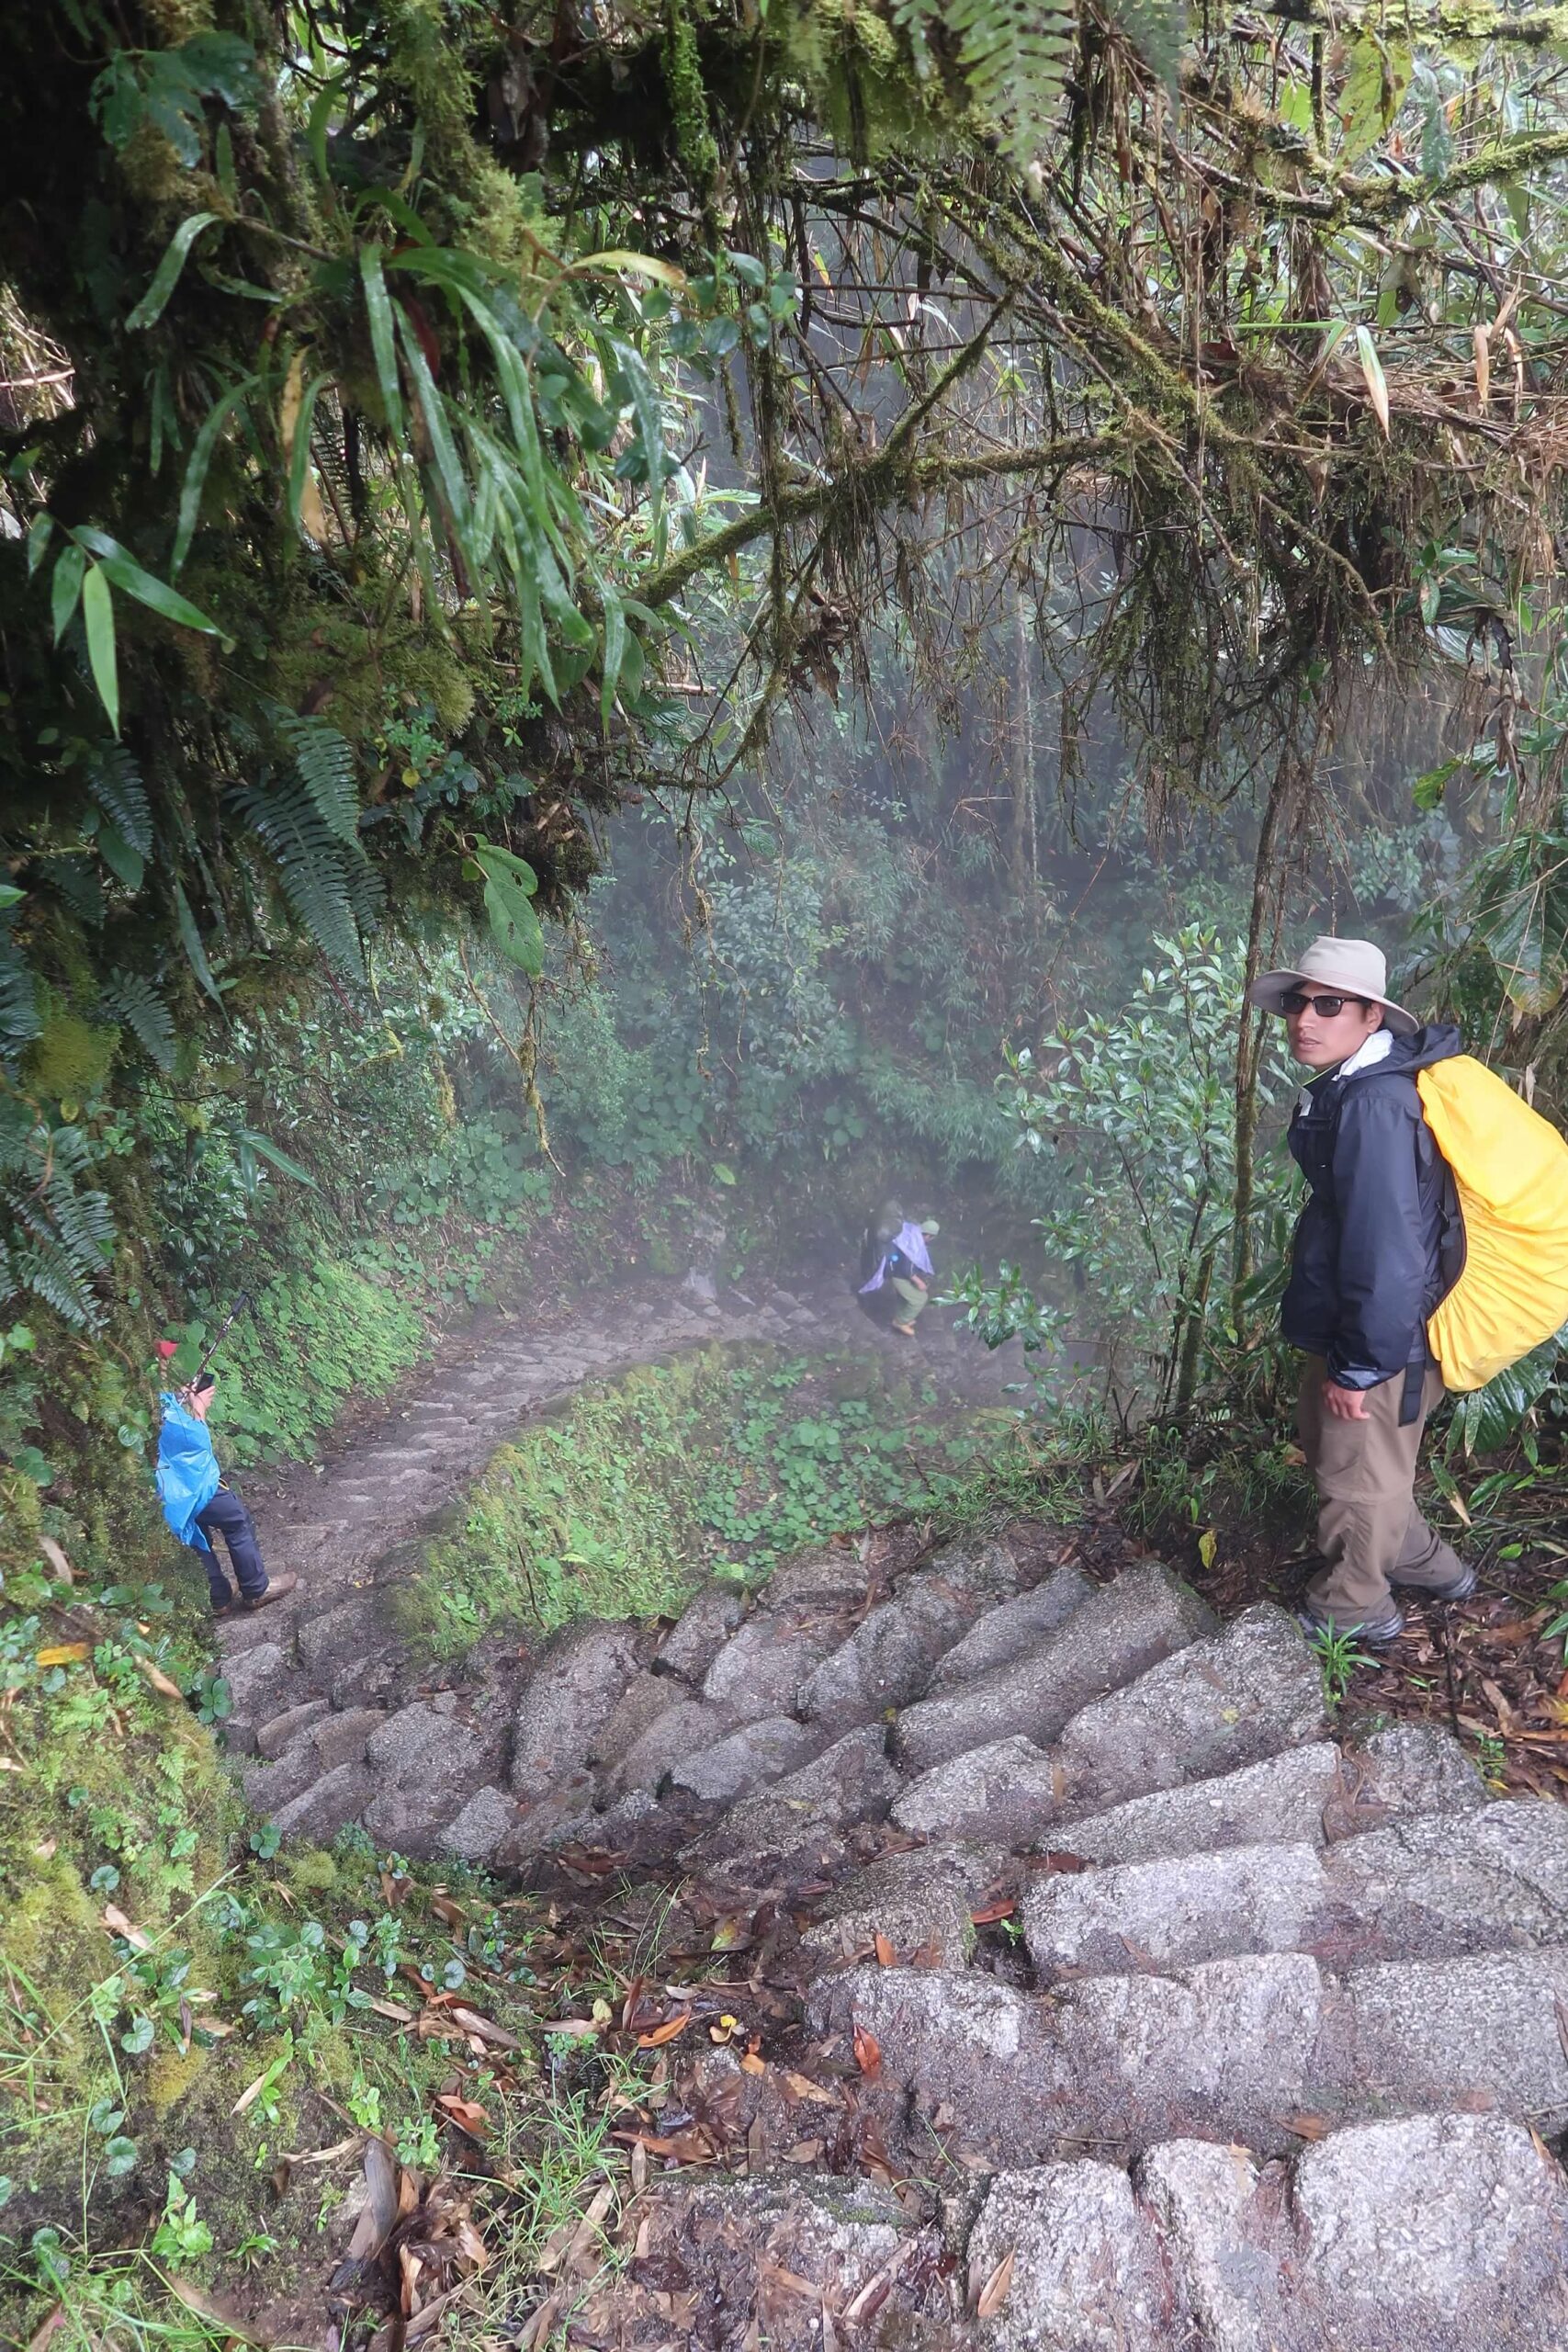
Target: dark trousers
column 225, row 1515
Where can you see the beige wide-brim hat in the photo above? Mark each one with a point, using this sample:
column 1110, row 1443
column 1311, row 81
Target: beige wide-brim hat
column 1353, row 966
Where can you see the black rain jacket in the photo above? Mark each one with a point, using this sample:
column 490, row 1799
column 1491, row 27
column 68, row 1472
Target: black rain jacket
column 1382, row 1240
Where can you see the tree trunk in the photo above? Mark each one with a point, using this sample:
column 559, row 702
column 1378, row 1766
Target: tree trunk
column 1249, row 1029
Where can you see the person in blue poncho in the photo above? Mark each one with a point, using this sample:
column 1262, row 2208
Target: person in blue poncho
column 198, row 1505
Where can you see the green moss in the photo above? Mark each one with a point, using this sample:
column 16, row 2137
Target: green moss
column 694, row 141
column 169, row 2078
column 72, row 1057
column 311, row 1872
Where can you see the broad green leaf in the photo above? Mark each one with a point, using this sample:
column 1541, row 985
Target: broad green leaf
column 379, row 309
column 97, row 612
column 65, row 588
column 200, row 459
column 639, row 266
column 191, row 940
column 299, row 451
column 40, row 533
column 126, row 864
column 510, row 883
column 1492, row 1415
column 166, row 278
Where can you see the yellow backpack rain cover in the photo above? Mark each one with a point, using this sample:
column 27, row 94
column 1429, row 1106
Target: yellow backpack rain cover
column 1511, row 1171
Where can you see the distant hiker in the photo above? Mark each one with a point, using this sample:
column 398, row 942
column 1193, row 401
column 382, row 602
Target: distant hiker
column 198, row 1505
column 1378, row 1244
column 894, row 1252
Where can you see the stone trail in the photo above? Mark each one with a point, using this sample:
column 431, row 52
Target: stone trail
column 1273, row 2062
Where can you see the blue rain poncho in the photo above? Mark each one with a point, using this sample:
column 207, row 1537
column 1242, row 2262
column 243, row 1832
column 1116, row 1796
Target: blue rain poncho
column 188, row 1471
column 908, row 1242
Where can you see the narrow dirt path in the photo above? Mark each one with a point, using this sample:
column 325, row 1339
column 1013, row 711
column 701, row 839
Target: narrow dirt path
column 315, row 1678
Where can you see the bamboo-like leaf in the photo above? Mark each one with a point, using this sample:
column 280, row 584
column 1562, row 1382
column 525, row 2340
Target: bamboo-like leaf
column 65, row 587
column 379, row 309
column 191, row 940
column 167, row 276
column 615, row 650
column 1482, row 337
column 1372, row 368
column 40, row 533
column 196, row 471
column 278, row 1156
column 650, row 414
column 294, row 418
column 156, row 595
column 638, row 265
column 443, row 448
column 97, row 612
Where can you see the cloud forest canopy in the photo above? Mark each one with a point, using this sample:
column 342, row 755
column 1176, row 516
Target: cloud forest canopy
column 423, row 424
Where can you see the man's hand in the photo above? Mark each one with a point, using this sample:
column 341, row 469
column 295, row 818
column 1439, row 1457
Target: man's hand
column 1345, row 1404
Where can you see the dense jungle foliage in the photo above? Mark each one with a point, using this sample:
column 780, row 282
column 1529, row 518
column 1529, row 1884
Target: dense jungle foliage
column 608, row 615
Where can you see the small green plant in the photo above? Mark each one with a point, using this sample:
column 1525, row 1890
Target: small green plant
column 1338, row 1656
column 1491, row 1759
column 181, row 2235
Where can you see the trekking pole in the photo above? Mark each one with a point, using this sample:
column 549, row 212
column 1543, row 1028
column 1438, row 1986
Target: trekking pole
column 234, row 1313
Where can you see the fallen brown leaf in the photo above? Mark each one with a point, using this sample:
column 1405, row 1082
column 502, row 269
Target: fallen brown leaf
column 56, row 1558
column 993, row 1912
column 543, row 2324
column 216, row 2310
column 450, row 1914
column 1306, row 2125
column 868, row 2053
column 799, row 2087
column 379, row 2210
column 886, row 1955
column 665, row 2033
column 49, row 2329
column 487, row 2029
column 994, row 2294
column 393, row 2009
column 162, row 1683
column 115, row 1920
column 64, row 1653
column 465, row 2113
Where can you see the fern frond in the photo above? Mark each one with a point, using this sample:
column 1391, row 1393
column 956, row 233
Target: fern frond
column 51, row 1272
column 1014, row 56
column 20, row 1019
column 325, row 761
column 1158, row 30
column 115, row 782
column 313, row 865
column 140, row 1006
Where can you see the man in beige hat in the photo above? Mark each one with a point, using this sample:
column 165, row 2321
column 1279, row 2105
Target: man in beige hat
column 1380, row 1242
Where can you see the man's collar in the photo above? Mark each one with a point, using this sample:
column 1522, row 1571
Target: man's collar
column 1377, row 1048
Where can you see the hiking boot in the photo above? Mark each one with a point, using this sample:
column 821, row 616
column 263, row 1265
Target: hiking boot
column 1460, row 1588
column 277, row 1588
column 1375, row 1629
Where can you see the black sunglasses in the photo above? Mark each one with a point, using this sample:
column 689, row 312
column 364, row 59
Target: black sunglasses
column 1330, row 1006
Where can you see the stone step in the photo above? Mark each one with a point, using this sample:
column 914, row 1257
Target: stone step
column 748, row 1758
column 576, row 1684
column 888, row 1660
column 425, row 1762
column 1436, row 2234
column 1495, row 1880
column 1232, row 2049
column 327, row 1805
column 1007, row 1631
column 1120, row 1632
column 802, row 1814
column 316, row 1748
column 273, row 1737
column 919, row 1903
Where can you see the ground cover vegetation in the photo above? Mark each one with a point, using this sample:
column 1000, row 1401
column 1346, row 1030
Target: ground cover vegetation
column 430, row 436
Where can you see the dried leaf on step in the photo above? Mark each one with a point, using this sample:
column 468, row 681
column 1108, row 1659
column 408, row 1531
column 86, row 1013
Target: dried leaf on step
column 62, row 1654
column 665, row 2033
column 1057, row 1861
column 1305, row 2124
column 161, row 1683
column 56, row 1558
column 994, row 2294
column 450, row 1914
column 799, row 2087
column 750, row 2064
column 886, row 1955
column 991, row 1912
column 733, row 1933
column 868, row 2053
column 1561, row 2009
column 393, row 2009
column 639, row 2168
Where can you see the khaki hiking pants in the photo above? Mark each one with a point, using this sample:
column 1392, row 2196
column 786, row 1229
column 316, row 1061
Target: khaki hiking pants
column 1369, row 1528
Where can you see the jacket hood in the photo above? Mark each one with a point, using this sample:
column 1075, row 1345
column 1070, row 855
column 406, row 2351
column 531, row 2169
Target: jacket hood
column 1440, row 1041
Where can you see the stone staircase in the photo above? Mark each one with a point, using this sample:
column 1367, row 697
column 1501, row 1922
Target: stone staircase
column 1271, row 2062
column 339, row 1721
column 1259, row 2044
